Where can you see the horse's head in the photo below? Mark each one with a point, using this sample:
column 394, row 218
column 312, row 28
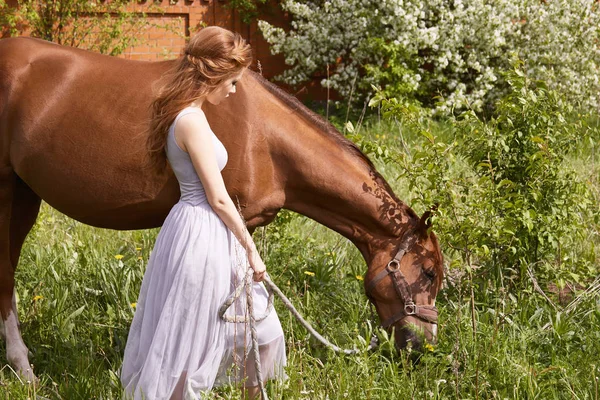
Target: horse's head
column 403, row 286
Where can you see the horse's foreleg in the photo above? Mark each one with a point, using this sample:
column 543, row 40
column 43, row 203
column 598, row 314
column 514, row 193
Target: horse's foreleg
column 18, row 211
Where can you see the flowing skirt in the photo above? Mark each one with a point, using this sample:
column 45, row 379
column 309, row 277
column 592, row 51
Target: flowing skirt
column 178, row 347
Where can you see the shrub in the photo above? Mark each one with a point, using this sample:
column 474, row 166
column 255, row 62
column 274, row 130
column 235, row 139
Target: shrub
column 421, row 49
column 508, row 201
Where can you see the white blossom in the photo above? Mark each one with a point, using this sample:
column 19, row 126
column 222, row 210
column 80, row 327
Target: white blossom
column 465, row 44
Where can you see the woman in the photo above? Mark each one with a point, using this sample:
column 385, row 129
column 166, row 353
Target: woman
column 178, row 348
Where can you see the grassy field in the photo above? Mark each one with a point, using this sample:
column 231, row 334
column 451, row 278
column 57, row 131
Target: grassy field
column 78, row 285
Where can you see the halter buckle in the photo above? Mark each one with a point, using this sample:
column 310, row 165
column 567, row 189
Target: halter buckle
column 410, row 308
column 393, row 265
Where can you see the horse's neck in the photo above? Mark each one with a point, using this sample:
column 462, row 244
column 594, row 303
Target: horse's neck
column 334, row 185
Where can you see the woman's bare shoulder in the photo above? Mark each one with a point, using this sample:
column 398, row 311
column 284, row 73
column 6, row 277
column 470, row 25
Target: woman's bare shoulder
column 190, row 127
column 193, row 122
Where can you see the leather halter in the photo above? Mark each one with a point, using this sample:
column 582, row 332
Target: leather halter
column 424, row 312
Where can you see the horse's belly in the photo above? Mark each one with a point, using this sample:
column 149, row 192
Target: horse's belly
column 100, row 195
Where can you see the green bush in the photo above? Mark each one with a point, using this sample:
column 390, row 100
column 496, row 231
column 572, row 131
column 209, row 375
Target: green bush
column 508, row 201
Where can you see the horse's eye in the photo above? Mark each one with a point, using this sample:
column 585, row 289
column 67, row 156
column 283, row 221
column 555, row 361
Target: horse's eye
column 429, row 273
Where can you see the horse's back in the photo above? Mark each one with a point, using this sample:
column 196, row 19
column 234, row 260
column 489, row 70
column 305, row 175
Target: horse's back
column 49, row 66
column 16, row 53
column 73, row 123
column 23, row 59
column 15, row 56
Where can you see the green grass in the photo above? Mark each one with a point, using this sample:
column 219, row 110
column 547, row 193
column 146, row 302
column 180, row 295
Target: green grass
column 77, row 295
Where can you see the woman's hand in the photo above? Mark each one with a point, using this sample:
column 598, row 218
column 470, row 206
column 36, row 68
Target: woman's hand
column 258, row 266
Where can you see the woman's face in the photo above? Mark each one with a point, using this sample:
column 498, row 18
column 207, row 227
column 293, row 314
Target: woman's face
column 224, row 89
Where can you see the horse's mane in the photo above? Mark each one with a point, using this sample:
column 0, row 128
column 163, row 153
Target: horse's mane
column 321, row 123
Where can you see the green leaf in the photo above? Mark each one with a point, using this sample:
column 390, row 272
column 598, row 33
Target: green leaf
column 75, row 313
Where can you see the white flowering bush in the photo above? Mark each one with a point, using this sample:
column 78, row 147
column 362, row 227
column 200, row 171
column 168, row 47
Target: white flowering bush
column 443, row 53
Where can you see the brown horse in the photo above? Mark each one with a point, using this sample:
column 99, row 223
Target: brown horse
column 72, row 126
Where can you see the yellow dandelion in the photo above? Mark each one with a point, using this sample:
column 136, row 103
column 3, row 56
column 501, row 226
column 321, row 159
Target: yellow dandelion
column 133, row 305
column 119, row 256
column 429, row 347
column 140, row 258
column 38, row 297
column 138, row 248
column 360, row 277
column 309, row 273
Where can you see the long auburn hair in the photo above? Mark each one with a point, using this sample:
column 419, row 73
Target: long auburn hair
column 210, row 57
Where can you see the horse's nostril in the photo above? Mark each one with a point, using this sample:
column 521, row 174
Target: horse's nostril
column 410, row 339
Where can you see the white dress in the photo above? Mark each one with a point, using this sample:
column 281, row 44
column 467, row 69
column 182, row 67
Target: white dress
column 177, row 346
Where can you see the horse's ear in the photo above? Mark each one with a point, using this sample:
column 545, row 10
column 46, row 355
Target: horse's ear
column 425, row 221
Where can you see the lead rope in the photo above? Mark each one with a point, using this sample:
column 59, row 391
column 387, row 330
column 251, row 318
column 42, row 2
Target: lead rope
column 247, row 283
column 252, row 320
column 269, row 283
column 250, row 302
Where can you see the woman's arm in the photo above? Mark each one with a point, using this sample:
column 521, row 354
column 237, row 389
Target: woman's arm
column 195, row 136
